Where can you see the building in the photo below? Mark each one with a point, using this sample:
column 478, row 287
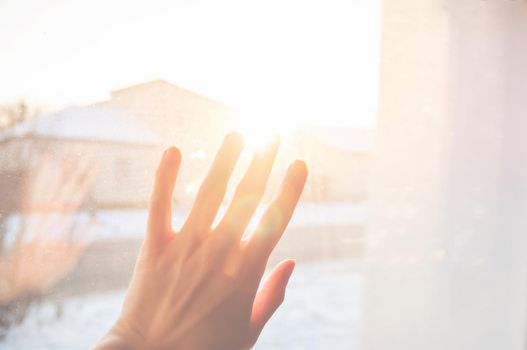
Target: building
column 179, row 116
column 123, row 154
column 196, row 124
column 126, row 135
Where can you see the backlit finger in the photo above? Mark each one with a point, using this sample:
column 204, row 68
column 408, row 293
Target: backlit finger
column 279, row 213
column 212, row 191
column 249, row 193
column 160, row 212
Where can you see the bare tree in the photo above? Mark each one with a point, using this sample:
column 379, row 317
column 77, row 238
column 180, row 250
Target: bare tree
column 17, row 112
column 44, row 244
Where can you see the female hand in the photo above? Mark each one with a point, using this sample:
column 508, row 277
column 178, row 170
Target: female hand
column 198, row 288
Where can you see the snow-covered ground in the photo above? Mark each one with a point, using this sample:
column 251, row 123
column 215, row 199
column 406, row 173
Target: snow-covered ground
column 321, row 311
column 130, row 223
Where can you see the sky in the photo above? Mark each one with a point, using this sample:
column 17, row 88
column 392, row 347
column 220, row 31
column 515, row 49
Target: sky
column 311, row 62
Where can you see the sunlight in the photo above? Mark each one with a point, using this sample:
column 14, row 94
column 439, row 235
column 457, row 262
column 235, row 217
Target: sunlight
column 259, row 128
column 328, row 76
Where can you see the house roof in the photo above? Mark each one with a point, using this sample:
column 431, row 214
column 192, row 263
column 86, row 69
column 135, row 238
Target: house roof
column 160, row 83
column 85, row 123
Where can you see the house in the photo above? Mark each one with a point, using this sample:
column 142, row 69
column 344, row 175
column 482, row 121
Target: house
column 196, row 124
column 126, row 133
column 179, row 116
column 123, row 154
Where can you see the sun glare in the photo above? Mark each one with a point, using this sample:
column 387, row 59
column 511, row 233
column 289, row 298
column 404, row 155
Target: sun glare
column 258, row 128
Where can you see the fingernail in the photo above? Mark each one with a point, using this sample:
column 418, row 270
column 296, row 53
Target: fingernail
column 291, row 271
column 271, row 146
column 275, row 140
column 173, row 152
column 293, row 261
column 235, row 138
column 297, row 172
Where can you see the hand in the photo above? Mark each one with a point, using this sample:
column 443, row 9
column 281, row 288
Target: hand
column 198, row 288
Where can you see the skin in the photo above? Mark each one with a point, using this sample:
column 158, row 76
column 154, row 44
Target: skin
column 198, row 288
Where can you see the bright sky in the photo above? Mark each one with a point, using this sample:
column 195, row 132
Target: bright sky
column 312, row 61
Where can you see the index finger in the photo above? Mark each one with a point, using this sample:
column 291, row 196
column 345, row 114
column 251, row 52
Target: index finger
column 160, row 209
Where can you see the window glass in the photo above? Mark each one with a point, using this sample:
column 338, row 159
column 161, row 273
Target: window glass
column 409, row 114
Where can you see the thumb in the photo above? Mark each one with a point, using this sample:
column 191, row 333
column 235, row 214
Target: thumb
column 270, row 297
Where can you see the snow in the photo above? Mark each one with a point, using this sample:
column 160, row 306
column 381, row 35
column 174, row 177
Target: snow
column 322, row 307
column 321, row 311
column 86, row 123
column 131, row 223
